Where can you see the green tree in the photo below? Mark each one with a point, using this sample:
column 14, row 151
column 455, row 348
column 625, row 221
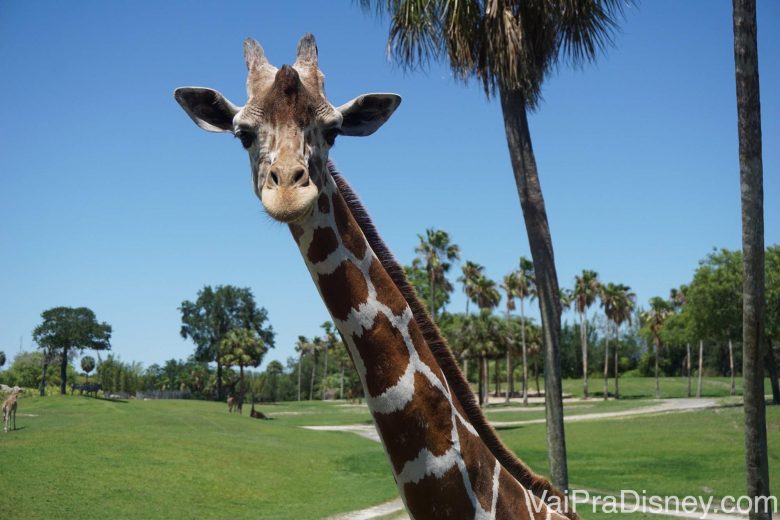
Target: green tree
column 586, row 289
column 213, row 314
column 274, row 370
column 654, row 319
column 435, row 253
column 751, row 176
column 301, row 347
column 65, row 330
column 2, row 358
column 418, row 278
column 241, row 348
column 511, row 46
column 315, row 347
column 772, row 260
column 87, row 365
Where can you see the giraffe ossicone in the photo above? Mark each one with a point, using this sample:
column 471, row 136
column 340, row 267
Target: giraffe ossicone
column 446, row 459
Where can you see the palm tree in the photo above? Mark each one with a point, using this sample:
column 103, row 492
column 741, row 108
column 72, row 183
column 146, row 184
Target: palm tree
column 618, row 302
column 436, row 253
column 487, row 297
column 586, row 289
column 654, row 319
column 509, row 285
column 315, row 347
column 751, row 173
column 87, row 365
column 526, row 288
column 472, row 271
column 511, row 46
column 242, row 347
column 301, row 347
column 331, row 339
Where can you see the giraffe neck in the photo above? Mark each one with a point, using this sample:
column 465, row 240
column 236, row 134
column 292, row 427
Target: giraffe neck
column 441, row 466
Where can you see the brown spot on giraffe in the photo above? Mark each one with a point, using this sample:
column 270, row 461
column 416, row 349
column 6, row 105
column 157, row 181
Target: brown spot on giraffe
column 384, row 288
column 425, row 422
column 341, row 288
column 348, row 229
column 323, row 203
column 323, row 242
column 384, row 366
column 422, row 501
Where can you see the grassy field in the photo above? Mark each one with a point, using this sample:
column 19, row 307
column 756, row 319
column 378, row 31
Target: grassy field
column 76, row 457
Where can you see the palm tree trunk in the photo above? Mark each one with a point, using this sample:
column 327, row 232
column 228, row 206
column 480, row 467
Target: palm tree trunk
column 508, row 373
column 701, row 368
column 486, row 379
column 606, row 367
column 480, row 385
column 657, row 353
column 752, row 195
column 617, row 370
column 341, row 384
column 241, row 379
column 497, row 376
column 584, row 344
column 525, row 354
column 731, row 368
column 772, row 367
column 325, row 373
column 688, row 364
column 311, row 382
column 63, row 370
column 529, row 190
column 43, row 376
column 300, row 362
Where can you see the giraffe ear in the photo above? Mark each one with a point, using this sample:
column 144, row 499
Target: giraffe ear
column 365, row 114
column 208, row 108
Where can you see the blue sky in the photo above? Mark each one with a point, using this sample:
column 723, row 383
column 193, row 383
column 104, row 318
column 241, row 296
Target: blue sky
column 111, row 198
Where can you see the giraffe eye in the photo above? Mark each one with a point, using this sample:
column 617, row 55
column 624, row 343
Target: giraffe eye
column 330, row 135
column 247, row 137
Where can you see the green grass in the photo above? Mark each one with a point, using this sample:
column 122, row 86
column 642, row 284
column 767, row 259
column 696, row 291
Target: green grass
column 86, row 458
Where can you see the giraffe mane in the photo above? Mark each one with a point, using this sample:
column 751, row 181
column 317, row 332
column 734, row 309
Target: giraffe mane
column 537, row 484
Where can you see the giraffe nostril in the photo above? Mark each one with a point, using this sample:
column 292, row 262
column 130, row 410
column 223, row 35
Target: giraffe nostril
column 298, row 177
column 274, row 178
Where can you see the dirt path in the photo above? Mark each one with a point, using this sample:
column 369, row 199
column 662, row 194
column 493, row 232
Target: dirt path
column 394, row 510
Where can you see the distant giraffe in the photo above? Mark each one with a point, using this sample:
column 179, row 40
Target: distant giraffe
column 446, row 459
column 9, row 410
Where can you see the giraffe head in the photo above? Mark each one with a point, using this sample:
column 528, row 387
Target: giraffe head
column 287, row 125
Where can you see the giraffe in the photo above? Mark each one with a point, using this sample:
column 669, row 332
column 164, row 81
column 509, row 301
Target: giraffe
column 446, row 459
column 9, row 410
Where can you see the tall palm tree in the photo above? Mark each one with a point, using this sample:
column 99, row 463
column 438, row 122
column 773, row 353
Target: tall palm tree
column 301, row 347
column 486, row 297
column 526, row 288
column 618, row 302
column 654, row 318
column 241, row 347
column 471, row 272
column 331, row 339
column 751, row 176
column 586, row 289
column 509, row 285
column 436, row 252
column 511, row 46
column 315, row 347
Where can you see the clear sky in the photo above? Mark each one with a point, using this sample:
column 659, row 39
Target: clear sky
column 111, row 198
